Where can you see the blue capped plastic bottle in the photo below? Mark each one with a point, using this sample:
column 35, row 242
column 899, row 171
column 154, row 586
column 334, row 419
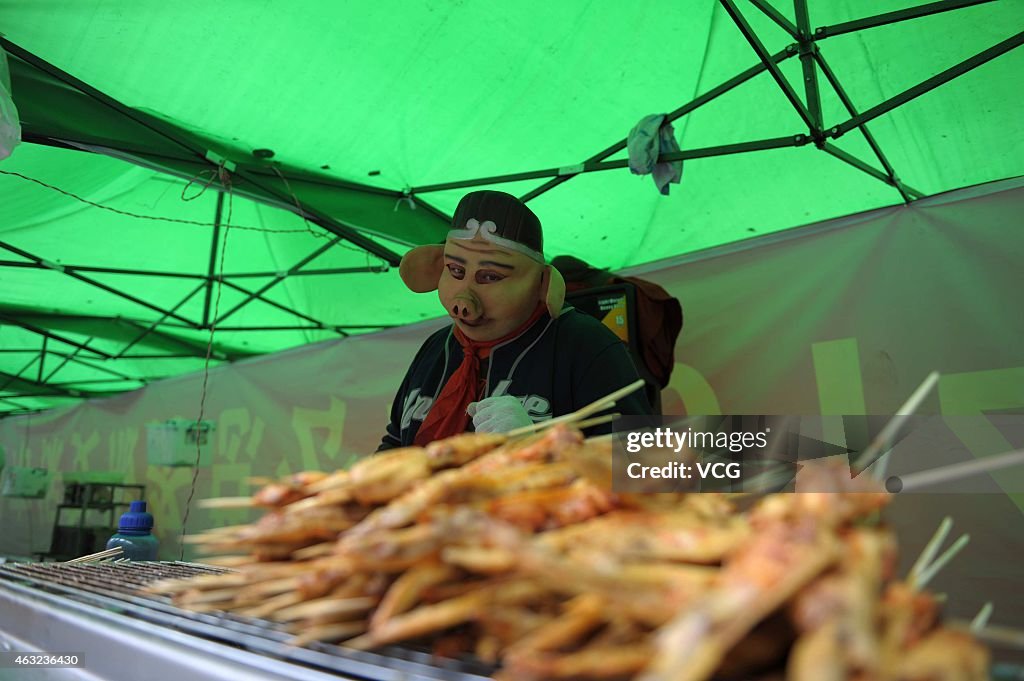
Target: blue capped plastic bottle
column 133, row 534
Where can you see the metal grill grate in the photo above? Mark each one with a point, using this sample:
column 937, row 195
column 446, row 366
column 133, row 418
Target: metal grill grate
column 114, row 586
column 110, row 578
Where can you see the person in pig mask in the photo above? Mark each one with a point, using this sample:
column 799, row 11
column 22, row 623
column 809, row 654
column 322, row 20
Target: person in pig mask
column 514, row 353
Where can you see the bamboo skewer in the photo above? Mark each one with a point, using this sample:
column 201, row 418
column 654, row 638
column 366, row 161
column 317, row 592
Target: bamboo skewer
column 314, row 551
column 206, row 538
column 203, row 608
column 273, row 587
column 226, row 529
column 274, row 604
column 230, row 561
column 98, row 556
column 885, row 438
column 329, row 632
column 600, row 439
column 929, row 572
column 201, row 582
column 228, row 502
column 915, row 481
column 335, row 479
column 597, row 421
column 930, row 549
column 606, row 402
column 980, row 620
column 211, row 596
column 1007, row 636
column 326, row 606
column 927, row 565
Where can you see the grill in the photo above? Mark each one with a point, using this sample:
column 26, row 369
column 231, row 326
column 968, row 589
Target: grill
column 94, row 610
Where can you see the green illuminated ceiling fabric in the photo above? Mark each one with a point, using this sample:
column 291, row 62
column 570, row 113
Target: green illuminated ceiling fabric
column 393, row 96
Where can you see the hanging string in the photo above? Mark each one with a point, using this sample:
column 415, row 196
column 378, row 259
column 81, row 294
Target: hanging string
column 210, row 176
column 160, row 218
column 219, row 173
column 24, row 453
column 302, row 214
column 225, row 181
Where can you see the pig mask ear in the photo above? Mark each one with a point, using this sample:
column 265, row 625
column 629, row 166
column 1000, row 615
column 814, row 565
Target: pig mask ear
column 421, row 268
column 552, row 291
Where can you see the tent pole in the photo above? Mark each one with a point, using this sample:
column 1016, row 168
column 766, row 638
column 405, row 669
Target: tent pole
column 41, row 382
column 67, row 358
column 284, row 308
column 852, row 160
column 906, row 192
column 62, row 392
column 704, row 152
column 17, row 377
column 715, row 92
column 775, row 15
column 47, row 316
column 55, row 394
column 73, row 357
column 21, row 409
column 315, row 216
column 106, row 270
column 217, row 213
column 278, row 279
column 928, row 85
column 430, row 208
column 152, row 328
column 333, row 182
column 92, row 282
column 807, row 50
column 319, row 327
column 765, row 58
column 372, row 269
column 193, row 350
column 42, row 359
column 892, row 17
column 143, row 355
column 102, row 369
column 66, row 384
column 53, row 336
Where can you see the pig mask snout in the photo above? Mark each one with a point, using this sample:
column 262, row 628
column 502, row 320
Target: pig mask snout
column 466, row 307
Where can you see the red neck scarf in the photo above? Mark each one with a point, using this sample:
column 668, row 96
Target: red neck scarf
column 448, row 415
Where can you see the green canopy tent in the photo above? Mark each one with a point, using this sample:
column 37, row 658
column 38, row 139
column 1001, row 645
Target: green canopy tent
column 283, row 160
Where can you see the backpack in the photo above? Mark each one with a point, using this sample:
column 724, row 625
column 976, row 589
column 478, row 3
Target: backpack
column 659, row 318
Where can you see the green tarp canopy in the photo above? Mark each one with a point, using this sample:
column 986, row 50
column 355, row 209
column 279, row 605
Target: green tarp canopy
column 258, row 168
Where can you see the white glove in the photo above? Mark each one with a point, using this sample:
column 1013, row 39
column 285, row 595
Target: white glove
column 498, row 414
